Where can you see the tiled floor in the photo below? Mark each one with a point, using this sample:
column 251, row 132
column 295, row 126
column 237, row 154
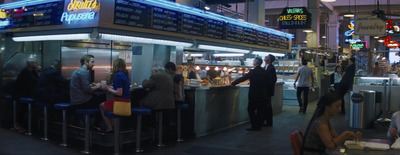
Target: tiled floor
column 270, row 140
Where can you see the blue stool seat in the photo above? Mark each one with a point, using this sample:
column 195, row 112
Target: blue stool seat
column 111, row 114
column 92, row 111
column 62, row 106
column 43, row 104
column 26, row 100
column 182, row 106
column 141, row 111
column 9, row 97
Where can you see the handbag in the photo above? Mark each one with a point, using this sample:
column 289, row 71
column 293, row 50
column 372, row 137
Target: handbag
column 122, row 106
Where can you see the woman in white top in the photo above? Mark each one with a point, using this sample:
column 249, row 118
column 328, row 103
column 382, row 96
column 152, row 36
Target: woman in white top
column 336, row 77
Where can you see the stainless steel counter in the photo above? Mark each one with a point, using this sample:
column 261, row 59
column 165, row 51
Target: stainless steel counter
column 220, row 107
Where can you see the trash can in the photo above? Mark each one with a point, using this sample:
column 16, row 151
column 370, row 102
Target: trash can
column 362, row 109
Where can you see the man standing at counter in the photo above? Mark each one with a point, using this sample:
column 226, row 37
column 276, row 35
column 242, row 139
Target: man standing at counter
column 257, row 98
column 271, row 73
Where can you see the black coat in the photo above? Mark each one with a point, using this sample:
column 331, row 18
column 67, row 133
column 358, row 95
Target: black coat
column 52, row 86
column 258, row 84
column 271, row 73
column 26, row 83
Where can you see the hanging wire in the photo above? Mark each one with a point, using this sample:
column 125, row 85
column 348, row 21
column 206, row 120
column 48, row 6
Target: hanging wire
column 287, row 5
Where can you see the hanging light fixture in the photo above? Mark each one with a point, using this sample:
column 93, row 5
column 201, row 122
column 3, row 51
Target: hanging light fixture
column 328, row 0
column 349, row 14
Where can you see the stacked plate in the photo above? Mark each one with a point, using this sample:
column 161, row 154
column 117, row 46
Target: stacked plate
column 194, row 82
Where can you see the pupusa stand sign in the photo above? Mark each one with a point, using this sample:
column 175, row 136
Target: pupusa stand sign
column 80, row 10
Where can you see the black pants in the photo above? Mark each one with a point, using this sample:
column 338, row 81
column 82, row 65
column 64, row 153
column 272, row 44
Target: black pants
column 341, row 91
column 256, row 110
column 299, row 91
column 268, row 112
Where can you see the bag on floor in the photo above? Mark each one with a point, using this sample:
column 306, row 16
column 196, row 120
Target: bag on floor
column 122, row 106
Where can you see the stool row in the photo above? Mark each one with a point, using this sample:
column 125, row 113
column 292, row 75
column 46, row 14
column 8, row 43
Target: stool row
column 138, row 111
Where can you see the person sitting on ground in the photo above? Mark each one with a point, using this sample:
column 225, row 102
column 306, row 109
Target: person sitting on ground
column 393, row 131
column 320, row 134
column 121, row 84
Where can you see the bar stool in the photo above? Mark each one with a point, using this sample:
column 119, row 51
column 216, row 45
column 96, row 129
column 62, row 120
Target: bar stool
column 44, row 105
column 29, row 101
column 63, row 107
column 159, row 116
column 139, row 111
column 179, row 107
column 116, row 130
column 87, row 113
column 9, row 98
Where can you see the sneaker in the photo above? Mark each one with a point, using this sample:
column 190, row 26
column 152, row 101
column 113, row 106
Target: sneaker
column 20, row 129
column 301, row 110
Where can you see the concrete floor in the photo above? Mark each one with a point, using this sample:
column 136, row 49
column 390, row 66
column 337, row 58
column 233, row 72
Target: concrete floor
column 270, row 140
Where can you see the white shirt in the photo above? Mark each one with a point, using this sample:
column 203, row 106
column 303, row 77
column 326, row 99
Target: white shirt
column 304, row 76
column 395, row 123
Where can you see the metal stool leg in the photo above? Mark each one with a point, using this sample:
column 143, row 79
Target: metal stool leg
column 29, row 120
column 179, row 123
column 14, row 114
column 160, row 126
column 64, row 129
column 45, row 123
column 138, row 133
column 116, row 136
column 86, row 151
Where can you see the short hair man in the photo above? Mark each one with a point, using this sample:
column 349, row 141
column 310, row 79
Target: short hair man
column 304, row 74
column 271, row 72
column 81, row 91
column 257, row 94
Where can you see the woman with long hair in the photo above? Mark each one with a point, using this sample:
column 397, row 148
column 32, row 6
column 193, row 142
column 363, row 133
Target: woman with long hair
column 120, row 81
column 320, row 134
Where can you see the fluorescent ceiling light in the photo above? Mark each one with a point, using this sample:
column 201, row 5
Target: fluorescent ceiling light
column 79, row 36
column 218, row 48
column 328, row 0
column 194, row 55
column 228, row 55
column 260, row 53
column 143, row 40
column 348, row 14
column 23, row 3
column 308, row 31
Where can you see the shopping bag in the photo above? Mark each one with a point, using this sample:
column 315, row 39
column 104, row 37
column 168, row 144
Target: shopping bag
column 122, row 107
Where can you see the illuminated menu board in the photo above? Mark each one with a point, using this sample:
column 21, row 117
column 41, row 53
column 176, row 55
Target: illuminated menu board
column 135, row 14
column 36, row 15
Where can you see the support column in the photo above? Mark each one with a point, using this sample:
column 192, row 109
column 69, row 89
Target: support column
column 255, row 12
column 313, row 37
column 333, row 31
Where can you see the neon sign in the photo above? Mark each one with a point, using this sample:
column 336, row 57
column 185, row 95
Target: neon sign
column 75, row 5
column 294, row 18
column 390, row 43
column 358, row 45
column 352, row 40
column 3, row 15
column 78, row 16
column 4, row 23
column 351, row 27
column 87, row 4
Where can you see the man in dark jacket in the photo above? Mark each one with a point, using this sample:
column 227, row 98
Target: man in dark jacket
column 257, row 98
column 52, row 86
column 271, row 75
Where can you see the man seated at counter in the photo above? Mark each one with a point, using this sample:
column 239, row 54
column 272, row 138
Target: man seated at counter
column 52, row 85
column 81, row 91
column 393, row 131
column 257, row 98
column 170, row 68
column 161, row 94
